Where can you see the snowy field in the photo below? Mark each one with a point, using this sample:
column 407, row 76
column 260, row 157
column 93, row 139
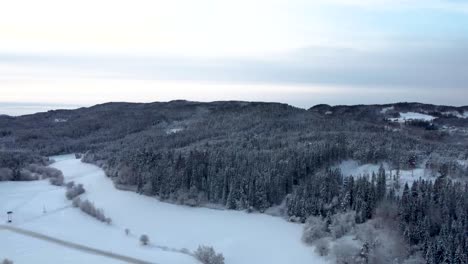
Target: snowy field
column 353, row 168
column 412, row 116
column 242, row 238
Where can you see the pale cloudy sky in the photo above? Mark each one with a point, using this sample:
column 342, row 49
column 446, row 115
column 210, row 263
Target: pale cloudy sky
column 301, row 52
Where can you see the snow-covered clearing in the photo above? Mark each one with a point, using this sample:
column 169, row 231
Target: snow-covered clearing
column 412, row 116
column 173, row 130
column 242, row 238
column 386, row 109
column 456, row 114
column 60, row 120
column 353, row 168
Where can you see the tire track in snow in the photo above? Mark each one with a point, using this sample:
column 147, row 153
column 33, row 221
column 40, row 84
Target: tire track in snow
column 72, row 245
column 56, row 210
column 29, row 199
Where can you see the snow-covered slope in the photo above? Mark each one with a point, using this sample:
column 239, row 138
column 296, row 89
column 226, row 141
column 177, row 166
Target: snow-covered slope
column 412, row 116
column 242, row 238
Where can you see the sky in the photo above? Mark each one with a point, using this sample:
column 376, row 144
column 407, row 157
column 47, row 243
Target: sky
column 56, row 53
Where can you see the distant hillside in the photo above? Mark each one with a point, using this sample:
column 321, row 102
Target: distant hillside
column 268, row 156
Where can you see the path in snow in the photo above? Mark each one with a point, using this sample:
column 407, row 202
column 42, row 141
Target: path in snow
column 72, row 245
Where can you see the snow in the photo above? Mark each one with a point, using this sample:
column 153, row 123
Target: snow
column 456, row 114
column 412, row 116
column 242, row 238
column 353, row 168
column 386, row 109
column 29, row 199
column 173, row 130
column 463, row 163
column 23, row 250
column 60, row 120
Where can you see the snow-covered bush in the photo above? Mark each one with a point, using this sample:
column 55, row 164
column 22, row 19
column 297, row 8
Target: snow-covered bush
column 144, row 240
column 76, row 202
column 345, row 251
column 315, row 228
column 74, row 191
column 192, row 197
column 207, row 255
column 342, row 223
column 384, row 241
column 322, row 247
column 127, row 231
column 69, row 184
column 26, row 175
column 7, row 261
column 43, row 171
column 58, row 181
column 35, row 171
column 89, row 208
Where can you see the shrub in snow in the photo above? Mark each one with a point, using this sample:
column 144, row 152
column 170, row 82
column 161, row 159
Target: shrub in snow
column 127, row 231
column 322, row 247
column 295, row 219
column 26, row 175
column 57, row 181
column 56, row 176
column 192, row 197
column 89, row 208
column 70, row 184
column 315, row 228
column 144, row 240
column 44, row 172
column 207, row 255
column 7, row 261
column 383, row 241
column 345, row 252
column 342, row 223
column 76, row 202
column 125, row 175
column 78, row 155
column 74, row 191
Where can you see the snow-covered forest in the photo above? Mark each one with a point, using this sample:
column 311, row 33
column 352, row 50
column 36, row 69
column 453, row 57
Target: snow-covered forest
column 410, row 207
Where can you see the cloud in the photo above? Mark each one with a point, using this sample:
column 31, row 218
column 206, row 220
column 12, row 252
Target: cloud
column 429, row 65
column 444, row 5
column 400, row 46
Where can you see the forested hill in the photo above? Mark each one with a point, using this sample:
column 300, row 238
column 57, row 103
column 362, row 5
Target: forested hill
column 85, row 128
column 253, row 155
column 217, row 148
column 82, row 129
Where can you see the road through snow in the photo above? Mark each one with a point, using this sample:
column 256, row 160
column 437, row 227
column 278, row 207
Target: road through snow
column 72, row 245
